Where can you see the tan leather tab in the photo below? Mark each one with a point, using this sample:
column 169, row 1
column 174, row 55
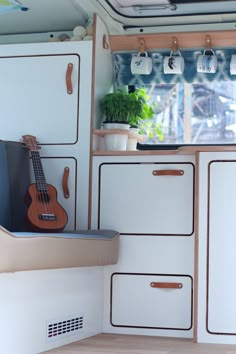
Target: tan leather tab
column 142, row 45
column 65, row 179
column 168, row 173
column 105, row 42
column 68, row 78
column 174, row 44
column 161, row 285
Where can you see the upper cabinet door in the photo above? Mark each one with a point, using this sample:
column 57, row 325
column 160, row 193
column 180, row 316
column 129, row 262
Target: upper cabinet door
column 39, row 96
column 153, row 198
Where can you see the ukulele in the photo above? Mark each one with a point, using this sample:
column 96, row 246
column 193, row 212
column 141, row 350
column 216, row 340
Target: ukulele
column 44, row 212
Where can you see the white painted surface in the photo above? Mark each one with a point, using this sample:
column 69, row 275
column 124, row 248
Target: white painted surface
column 29, row 299
column 103, row 82
column 134, row 303
column 143, row 254
column 35, row 99
column 222, row 244
column 133, row 200
column 43, row 15
column 216, row 314
column 47, row 111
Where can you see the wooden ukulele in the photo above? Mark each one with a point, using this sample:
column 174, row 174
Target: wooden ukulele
column 44, row 212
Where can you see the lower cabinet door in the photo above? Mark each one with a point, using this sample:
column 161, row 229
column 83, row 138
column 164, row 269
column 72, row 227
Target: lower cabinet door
column 54, row 169
column 221, row 245
column 151, row 301
column 153, row 199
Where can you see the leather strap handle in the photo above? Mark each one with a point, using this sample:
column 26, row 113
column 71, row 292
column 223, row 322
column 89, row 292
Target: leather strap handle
column 68, row 79
column 65, row 179
column 168, row 173
column 161, row 285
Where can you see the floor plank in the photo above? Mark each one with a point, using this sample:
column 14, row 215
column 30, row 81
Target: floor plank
column 129, row 344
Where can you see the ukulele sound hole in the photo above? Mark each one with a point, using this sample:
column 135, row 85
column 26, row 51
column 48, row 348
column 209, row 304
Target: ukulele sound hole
column 43, row 197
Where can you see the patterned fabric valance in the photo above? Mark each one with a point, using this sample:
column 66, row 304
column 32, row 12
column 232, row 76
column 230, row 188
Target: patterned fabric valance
column 123, row 75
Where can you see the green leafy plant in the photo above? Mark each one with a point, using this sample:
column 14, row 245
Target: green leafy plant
column 141, row 109
column 124, row 107
column 116, row 107
column 153, row 130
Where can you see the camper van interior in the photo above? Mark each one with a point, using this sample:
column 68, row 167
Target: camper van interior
column 117, row 182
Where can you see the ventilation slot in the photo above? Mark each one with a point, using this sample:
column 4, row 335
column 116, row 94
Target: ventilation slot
column 64, row 327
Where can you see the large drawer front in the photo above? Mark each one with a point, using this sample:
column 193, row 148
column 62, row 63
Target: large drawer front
column 140, row 198
column 151, row 301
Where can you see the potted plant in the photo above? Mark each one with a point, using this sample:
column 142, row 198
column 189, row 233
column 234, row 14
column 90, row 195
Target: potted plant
column 116, row 107
column 141, row 111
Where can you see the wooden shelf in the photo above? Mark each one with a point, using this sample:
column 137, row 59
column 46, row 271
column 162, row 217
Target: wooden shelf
column 181, row 150
column 103, row 132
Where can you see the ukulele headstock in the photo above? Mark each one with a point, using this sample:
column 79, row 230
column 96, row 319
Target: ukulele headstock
column 30, row 142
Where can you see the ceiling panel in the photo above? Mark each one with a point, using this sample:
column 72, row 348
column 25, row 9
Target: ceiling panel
column 43, row 16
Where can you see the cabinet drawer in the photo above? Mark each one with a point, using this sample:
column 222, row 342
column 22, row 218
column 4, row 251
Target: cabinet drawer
column 151, row 301
column 152, row 198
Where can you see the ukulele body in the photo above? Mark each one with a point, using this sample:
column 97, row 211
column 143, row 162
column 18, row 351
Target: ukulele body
column 44, row 212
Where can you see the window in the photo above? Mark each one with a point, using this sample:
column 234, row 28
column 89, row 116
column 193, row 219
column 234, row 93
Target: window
column 198, row 113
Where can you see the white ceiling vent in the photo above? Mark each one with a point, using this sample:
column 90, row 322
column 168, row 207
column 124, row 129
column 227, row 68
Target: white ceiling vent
column 64, row 327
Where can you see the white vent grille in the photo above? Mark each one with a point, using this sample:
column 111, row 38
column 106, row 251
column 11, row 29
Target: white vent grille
column 65, row 327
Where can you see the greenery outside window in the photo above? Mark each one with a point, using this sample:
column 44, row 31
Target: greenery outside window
column 197, row 113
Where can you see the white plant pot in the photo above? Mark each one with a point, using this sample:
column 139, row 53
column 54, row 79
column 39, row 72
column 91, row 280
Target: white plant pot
column 132, row 140
column 114, row 141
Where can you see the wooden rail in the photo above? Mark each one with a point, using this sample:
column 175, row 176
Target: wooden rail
column 186, row 40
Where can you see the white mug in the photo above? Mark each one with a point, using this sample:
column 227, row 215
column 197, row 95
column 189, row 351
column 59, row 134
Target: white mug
column 233, row 64
column 141, row 65
column 207, row 63
column 174, row 64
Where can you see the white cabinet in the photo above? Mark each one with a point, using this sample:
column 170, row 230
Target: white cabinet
column 46, row 92
column 160, row 301
column 147, row 198
column 150, row 201
column 217, row 244
column 34, row 89
column 221, row 248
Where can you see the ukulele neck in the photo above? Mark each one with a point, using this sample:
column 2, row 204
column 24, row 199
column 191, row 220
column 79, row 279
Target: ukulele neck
column 38, row 172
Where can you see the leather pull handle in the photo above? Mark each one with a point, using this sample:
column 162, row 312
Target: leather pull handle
column 160, row 285
column 65, row 179
column 168, row 173
column 68, row 78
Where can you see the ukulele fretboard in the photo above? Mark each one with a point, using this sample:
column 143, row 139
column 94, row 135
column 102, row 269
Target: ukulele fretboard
column 38, row 172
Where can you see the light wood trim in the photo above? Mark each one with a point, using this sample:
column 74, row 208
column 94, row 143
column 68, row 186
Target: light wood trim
column 184, row 150
column 103, row 132
column 165, row 40
column 160, row 285
column 92, row 122
column 130, row 344
column 168, row 173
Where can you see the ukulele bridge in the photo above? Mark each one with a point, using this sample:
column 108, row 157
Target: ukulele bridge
column 47, row 217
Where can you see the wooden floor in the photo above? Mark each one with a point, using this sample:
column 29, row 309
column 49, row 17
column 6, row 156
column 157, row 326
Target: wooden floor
column 126, row 344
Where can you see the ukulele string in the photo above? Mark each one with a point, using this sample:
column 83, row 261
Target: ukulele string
column 44, row 187
column 40, row 184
